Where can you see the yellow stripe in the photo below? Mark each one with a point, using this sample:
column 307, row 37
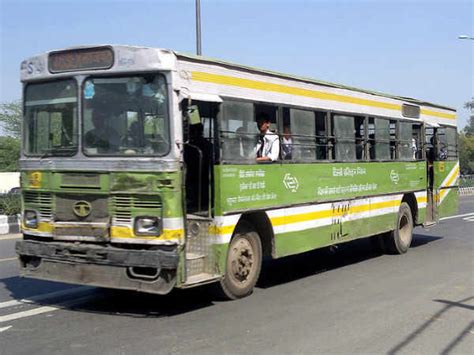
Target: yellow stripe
column 427, row 112
column 450, row 182
column 284, row 89
column 310, row 216
column 421, row 199
column 126, row 232
column 43, row 227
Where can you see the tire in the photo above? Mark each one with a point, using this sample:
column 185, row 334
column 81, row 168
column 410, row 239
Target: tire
column 243, row 265
column 399, row 240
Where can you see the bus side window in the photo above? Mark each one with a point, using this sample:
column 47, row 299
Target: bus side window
column 238, row 131
column 382, row 139
column 447, row 143
column 452, row 143
column 360, row 137
column 393, row 140
column 416, row 142
column 322, row 141
column 345, row 138
column 303, row 125
column 405, row 141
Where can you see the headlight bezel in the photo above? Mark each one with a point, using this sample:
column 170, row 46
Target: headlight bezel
column 142, row 230
column 30, row 222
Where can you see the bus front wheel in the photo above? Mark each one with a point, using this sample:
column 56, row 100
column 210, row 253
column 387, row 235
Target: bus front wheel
column 244, row 262
column 399, row 240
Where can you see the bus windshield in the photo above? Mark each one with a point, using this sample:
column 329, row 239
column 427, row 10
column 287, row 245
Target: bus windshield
column 125, row 116
column 51, row 119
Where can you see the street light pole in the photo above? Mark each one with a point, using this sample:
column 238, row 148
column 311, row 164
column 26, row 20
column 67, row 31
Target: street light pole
column 465, row 37
column 198, row 27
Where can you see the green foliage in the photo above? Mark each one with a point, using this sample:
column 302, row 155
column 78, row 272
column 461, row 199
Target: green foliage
column 466, row 153
column 11, row 117
column 10, row 204
column 466, row 143
column 9, row 153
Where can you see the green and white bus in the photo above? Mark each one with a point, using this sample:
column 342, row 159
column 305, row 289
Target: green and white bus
column 138, row 169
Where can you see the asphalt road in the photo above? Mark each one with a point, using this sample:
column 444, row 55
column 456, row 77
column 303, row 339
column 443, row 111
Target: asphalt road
column 351, row 300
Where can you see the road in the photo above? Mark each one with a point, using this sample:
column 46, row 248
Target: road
column 351, row 300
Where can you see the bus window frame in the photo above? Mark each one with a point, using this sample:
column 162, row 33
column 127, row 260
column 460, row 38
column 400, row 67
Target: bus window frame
column 24, row 132
column 169, row 104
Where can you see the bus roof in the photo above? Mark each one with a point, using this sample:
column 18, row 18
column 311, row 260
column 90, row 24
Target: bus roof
column 202, row 59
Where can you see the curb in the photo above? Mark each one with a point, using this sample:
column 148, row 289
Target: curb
column 9, row 224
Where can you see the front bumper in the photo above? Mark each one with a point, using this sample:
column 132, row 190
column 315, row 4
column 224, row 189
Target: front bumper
column 152, row 271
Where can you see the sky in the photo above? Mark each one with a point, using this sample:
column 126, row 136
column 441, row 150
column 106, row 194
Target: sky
column 401, row 47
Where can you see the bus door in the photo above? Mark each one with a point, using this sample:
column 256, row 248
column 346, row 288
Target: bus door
column 442, row 172
column 431, row 202
column 445, row 172
column 199, row 156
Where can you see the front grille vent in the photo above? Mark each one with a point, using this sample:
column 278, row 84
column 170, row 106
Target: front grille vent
column 41, row 201
column 124, row 204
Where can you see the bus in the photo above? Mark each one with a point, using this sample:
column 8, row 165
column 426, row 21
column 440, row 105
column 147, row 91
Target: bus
column 138, row 169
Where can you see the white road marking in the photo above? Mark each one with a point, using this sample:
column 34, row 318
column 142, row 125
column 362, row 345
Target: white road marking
column 457, row 216
column 5, row 328
column 46, row 296
column 469, row 219
column 40, row 310
column 19, row 236
column 8, row 259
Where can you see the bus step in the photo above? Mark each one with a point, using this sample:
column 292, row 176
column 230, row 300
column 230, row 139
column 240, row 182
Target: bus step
column 194, row 256
column 201, row 278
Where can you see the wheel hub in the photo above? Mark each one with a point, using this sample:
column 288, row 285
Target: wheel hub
column 242, row 260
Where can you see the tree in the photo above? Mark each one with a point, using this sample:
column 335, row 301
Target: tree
column 466, row 143
column 469, row 129
column 10, row 120
column 9, row 153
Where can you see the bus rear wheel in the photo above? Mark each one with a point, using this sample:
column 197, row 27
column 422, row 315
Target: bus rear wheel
column 399, row 240
column 244, row 262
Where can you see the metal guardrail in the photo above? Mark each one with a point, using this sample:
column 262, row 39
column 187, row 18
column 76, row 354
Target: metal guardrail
column 465, row 191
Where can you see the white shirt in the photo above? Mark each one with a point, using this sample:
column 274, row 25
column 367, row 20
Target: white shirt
column 271, row 146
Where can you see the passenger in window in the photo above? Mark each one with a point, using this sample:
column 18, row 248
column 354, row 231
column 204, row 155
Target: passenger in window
column 359, row 148
column 413, row 147
column 104, row 138
column 287, row 144
column 268, row 145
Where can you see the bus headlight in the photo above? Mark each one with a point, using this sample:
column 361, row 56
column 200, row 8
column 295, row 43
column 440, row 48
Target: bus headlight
column 30, row 218
column 147, row 226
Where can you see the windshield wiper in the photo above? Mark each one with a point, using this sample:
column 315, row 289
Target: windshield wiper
column 62, row 151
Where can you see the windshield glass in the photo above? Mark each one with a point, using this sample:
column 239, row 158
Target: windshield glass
column 50, row 119
column 126, row 116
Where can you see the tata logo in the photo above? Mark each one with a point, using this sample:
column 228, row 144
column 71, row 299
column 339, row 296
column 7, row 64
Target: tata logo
column 82, row 208
column 394, row 176
column 290, row 182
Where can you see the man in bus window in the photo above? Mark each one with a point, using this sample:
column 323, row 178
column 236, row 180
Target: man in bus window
column 268, row 146
column 104, row 138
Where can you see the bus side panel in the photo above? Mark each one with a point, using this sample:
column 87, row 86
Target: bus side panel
column 316, row 205
column 309, row 239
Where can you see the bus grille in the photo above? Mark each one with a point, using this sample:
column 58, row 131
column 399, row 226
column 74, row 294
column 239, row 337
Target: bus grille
column 41, row 201
column 122, row 205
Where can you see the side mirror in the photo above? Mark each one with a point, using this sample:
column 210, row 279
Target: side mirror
column 193, row 115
